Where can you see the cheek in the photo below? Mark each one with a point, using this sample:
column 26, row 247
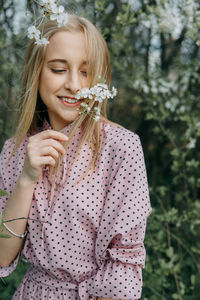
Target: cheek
column 44, row 89
column 48, row 83
column 85, row 82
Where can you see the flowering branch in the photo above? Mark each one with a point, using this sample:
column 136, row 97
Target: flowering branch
column 97, row 93
column 53, row 12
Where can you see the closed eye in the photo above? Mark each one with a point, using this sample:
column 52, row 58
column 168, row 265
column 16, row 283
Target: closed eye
column 57, row 70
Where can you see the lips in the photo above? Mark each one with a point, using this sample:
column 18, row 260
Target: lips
column 68, row 99
column 70, row 102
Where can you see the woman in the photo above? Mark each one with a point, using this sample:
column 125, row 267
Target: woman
column 87, row 217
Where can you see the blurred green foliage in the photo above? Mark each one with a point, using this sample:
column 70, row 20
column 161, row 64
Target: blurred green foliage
column 9, row 285
column 154, row 50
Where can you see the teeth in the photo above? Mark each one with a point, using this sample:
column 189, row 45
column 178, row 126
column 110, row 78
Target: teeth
column 69, row 100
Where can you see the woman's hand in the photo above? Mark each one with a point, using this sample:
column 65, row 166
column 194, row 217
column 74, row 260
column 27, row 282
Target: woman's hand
column 42, row 149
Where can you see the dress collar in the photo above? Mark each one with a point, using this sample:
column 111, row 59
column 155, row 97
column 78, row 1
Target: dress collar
column 64, row 130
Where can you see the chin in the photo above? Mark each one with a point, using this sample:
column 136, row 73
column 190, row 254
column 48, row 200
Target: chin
column 72, row 119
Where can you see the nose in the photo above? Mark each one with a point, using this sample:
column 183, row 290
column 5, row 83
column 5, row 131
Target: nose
column 73, row 82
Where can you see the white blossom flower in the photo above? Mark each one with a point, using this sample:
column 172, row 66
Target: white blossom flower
column 97, row 110
column 58, row 10
column 48, row 2
column 42, row 41
column 114, row 92
column 191, row 144
column 182, row 109
column 59, row 15
column 146, row 23
column 96, row 118
column 189, row 7
column 83, row 93
column 145, row 88
column 170, row 20
column 33, row 32
column 98, row 99
column 62, row 19
column 172, row 104
column 83, row 104
column 48, row 6
column 97, row 93
column 84, row 109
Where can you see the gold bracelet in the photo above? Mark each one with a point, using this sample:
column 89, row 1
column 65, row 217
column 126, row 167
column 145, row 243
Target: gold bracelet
column 22, row 236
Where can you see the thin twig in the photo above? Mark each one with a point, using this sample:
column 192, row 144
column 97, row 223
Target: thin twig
column 23, row 218
column 177, row 285
column 163, row 130
column 187, row 250
column 156, row 293
column 4, row 282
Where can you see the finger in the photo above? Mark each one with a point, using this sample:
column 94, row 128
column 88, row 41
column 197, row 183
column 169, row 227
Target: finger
column 52, row 143
column 46, row 134
column 47, row 160
column 49, row 151
column 37, row 163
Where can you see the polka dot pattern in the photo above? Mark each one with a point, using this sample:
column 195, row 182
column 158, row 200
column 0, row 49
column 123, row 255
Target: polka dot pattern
column 88, row 241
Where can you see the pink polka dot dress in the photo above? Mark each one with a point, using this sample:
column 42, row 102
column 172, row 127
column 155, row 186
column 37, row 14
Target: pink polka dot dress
column 88, row 242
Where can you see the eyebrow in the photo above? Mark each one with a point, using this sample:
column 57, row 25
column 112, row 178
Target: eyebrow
column 64, row 61
column 57, row 60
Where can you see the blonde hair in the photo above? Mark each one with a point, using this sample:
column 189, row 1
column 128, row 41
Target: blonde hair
column 32, row 111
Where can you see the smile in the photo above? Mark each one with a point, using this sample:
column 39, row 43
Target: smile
column 68, row 100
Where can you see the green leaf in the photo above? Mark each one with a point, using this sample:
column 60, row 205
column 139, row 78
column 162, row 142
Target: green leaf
column 3, row 193
column 196, row 250
column 1, row 220
column 101, row 79
column 175, row 296
column 193, row 279
column 5, row 236
column 149, row 116
column 170, row 252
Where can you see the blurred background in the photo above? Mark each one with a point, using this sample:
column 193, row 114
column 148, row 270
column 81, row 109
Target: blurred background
column 155, row 58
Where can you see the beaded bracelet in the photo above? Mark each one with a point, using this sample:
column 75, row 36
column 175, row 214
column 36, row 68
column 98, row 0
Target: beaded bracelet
column 22, row 236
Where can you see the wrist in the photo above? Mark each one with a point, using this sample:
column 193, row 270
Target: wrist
column 26, row 181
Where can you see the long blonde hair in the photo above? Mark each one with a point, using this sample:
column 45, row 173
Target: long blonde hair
column 32, row 111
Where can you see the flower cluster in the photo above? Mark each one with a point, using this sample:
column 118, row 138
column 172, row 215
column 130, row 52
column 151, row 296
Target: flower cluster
column 34, row 33
column 97, row 93
column 54, row 12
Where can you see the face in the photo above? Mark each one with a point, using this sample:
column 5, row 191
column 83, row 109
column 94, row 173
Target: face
column 63, row 74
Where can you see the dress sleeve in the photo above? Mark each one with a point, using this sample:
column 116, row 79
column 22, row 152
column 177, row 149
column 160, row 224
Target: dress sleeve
column 8, row 175
column 120, row 251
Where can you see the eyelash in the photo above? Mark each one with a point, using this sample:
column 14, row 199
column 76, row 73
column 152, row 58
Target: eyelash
column 58, row 71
